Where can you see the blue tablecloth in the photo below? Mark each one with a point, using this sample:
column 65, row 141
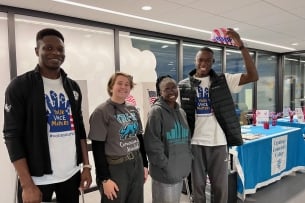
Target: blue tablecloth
column 279, row 151
column 295, row 123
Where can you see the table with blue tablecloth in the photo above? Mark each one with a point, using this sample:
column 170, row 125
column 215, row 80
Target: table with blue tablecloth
column 286, row 122
column 278, row 151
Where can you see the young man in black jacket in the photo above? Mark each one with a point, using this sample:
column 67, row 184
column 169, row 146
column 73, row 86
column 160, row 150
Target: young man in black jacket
column 43, row 127
column 207, row 101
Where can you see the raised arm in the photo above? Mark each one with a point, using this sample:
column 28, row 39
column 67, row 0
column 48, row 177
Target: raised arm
column 251, row 74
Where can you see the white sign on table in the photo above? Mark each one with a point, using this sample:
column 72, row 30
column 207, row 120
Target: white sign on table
column 279, row 154
column 262, row 116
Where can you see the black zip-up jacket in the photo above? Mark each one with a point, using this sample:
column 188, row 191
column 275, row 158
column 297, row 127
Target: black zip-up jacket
column 221, row 101
column 25, row 120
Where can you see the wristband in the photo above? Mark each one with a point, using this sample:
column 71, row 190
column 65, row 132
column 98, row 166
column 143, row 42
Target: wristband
column 241, row 47
column 87, row 166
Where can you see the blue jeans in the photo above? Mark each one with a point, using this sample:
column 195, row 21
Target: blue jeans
column 166, row 193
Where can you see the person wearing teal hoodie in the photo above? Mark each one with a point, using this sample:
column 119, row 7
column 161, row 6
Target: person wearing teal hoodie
column 167, row 143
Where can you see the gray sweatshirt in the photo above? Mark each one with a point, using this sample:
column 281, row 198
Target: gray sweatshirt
column 167, row 143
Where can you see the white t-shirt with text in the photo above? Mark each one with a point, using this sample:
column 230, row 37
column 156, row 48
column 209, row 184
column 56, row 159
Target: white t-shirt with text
column 61, row 134
column 207, row 130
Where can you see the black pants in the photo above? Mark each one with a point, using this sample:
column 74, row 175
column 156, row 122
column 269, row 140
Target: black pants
column 66, row 192
column 189, row 180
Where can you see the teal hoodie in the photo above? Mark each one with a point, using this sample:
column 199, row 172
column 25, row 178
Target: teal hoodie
column 167, row 143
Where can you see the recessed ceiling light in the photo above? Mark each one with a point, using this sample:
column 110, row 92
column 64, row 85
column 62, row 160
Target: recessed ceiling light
column 146, row 8
column 164, row 46
column 295, row 44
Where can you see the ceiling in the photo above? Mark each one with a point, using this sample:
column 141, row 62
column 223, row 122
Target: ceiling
column 274, row 22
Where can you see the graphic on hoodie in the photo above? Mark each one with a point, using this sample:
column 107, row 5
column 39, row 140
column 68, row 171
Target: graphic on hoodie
column 177, row 135
column 128, row 131
column 203, row 102
column 59, row 115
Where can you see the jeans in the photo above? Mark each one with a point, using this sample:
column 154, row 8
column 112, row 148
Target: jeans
column 166, row 193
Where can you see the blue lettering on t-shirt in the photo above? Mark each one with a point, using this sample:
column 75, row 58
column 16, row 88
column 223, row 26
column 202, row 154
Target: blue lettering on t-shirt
column 58, row 113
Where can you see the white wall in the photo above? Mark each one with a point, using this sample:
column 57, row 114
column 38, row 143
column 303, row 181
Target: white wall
column 7, row 172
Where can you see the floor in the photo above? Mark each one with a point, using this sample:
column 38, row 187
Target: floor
column 290, row 189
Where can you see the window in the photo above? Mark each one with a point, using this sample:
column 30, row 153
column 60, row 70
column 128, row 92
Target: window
column 267, row 66
column 189, row 53
column 293, row 86
column 243, row 99
column 146, row 57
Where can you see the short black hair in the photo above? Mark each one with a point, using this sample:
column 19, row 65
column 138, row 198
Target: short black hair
column 48, row 32
column 159, row 79
column 207, row 49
